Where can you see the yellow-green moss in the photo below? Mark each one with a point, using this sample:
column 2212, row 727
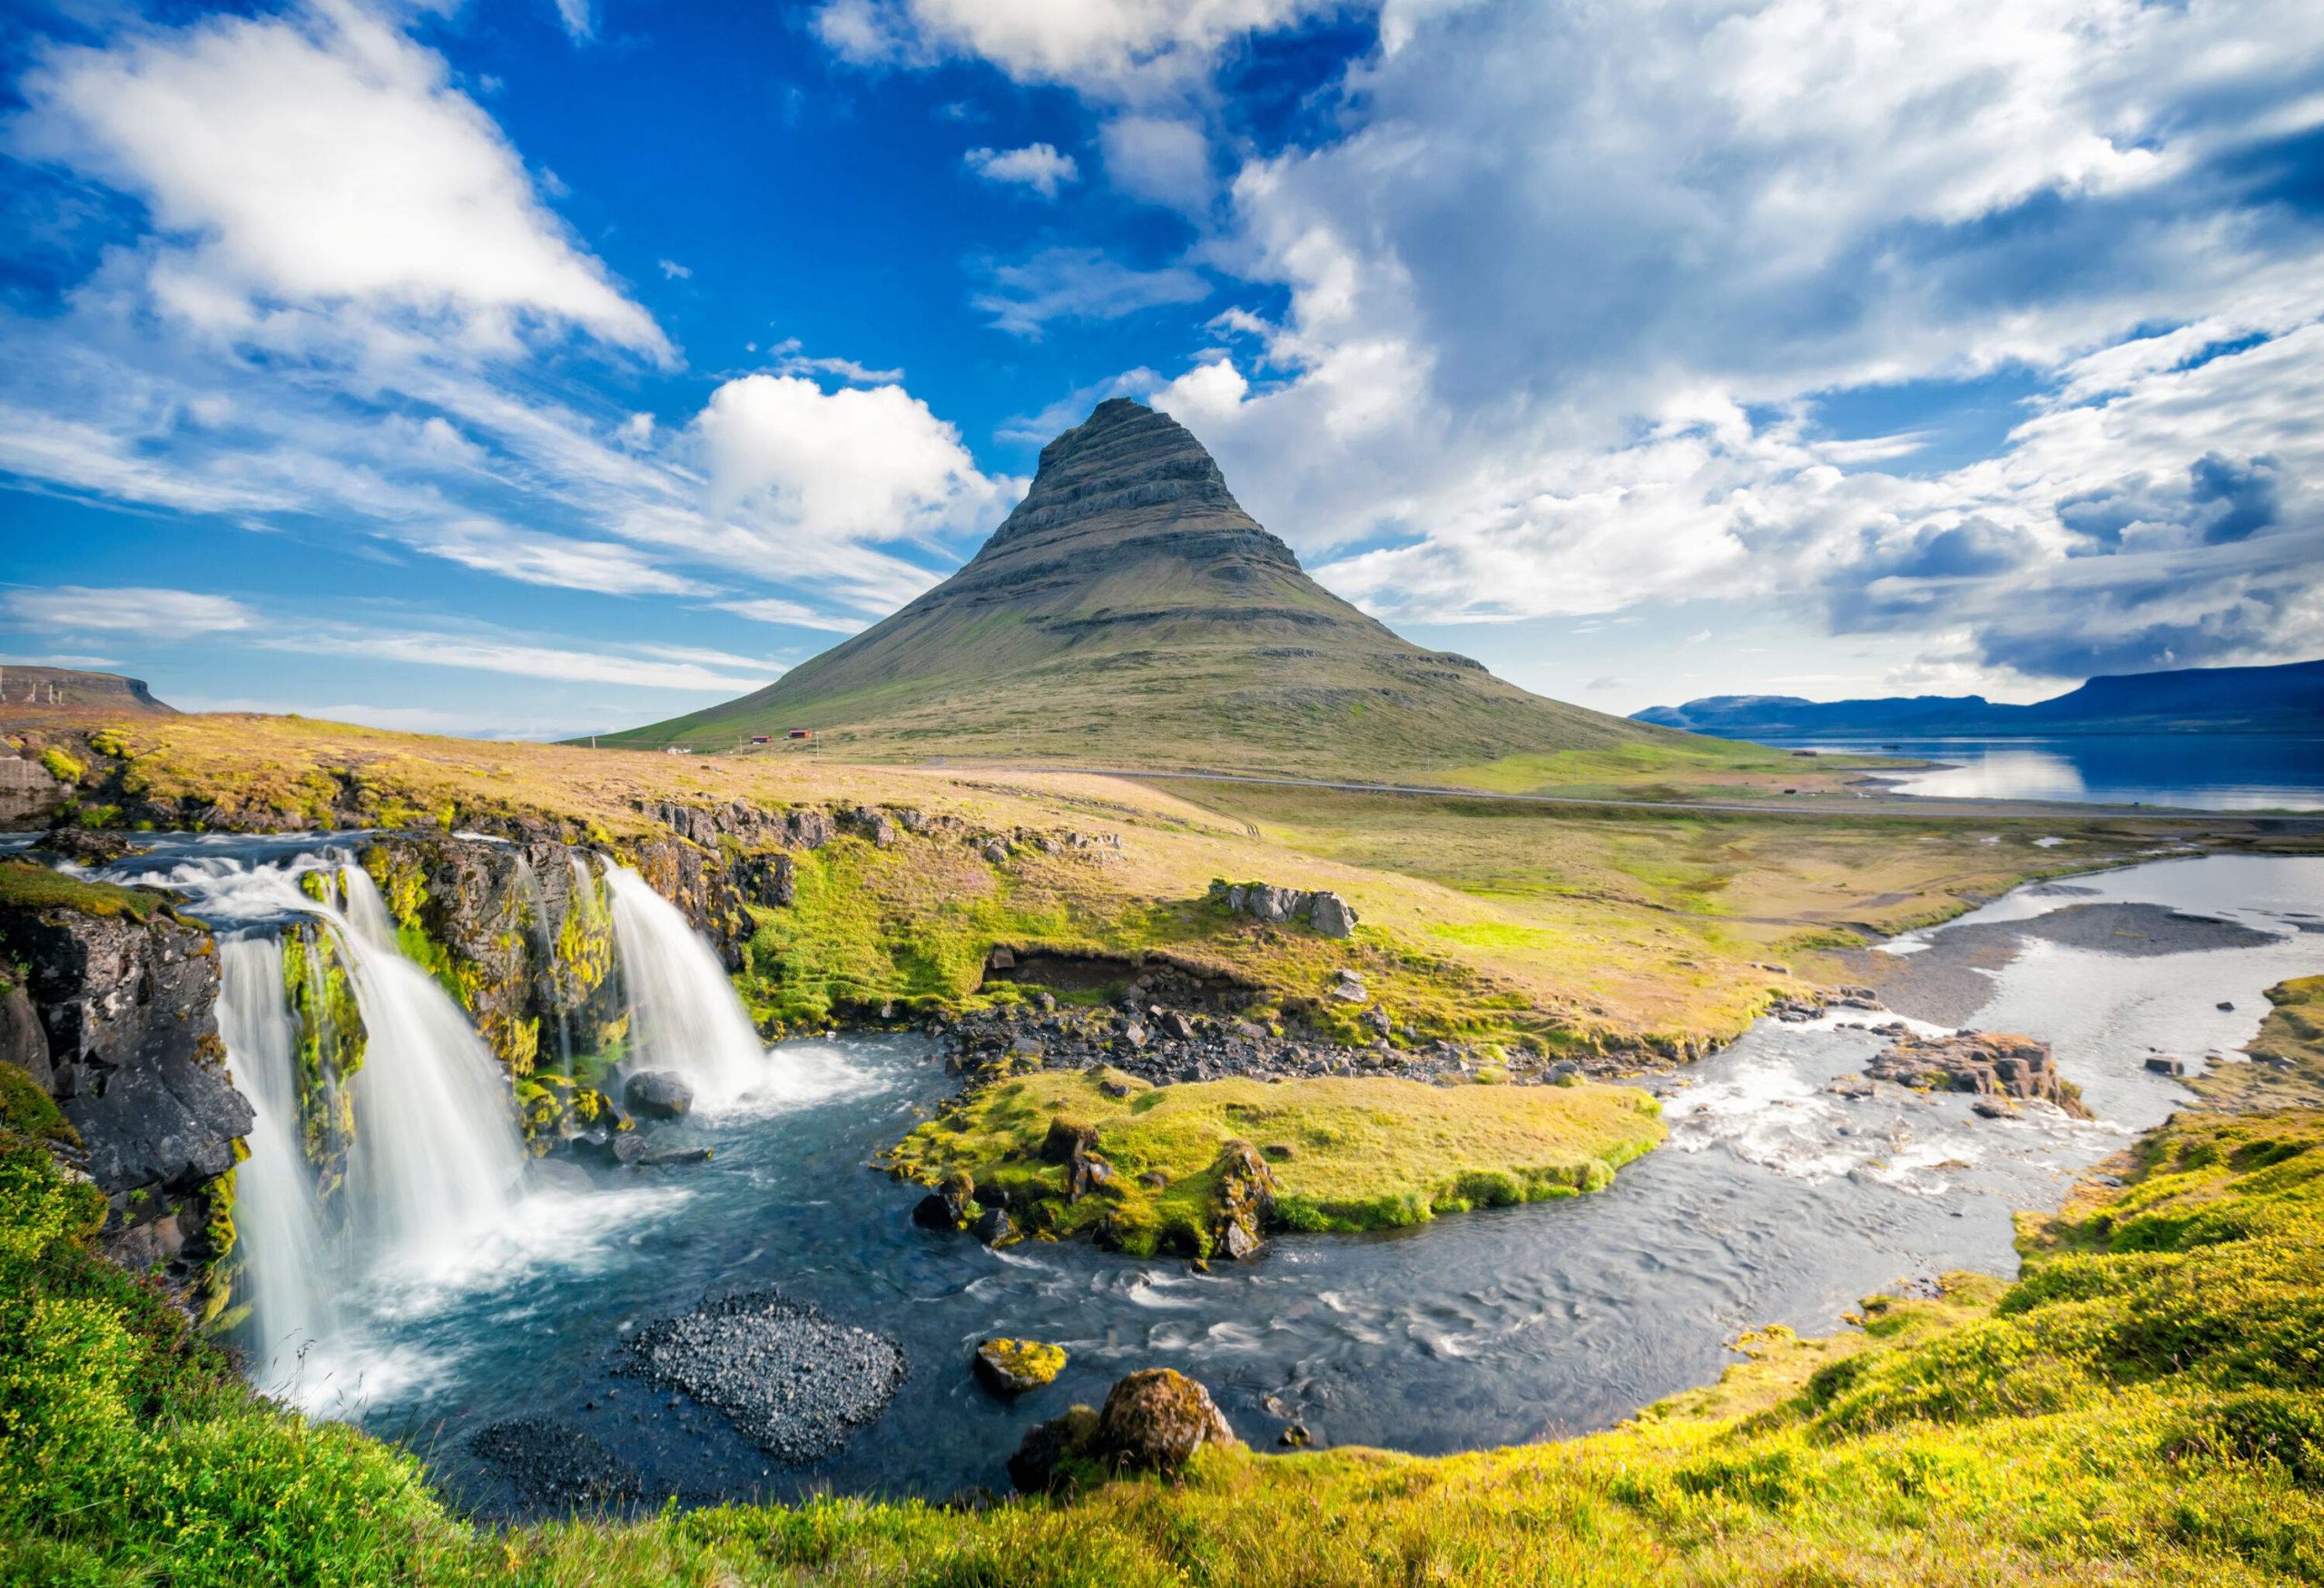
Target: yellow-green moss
column 29, row 886
column 1355, row 1153
column 28, row 1110
column 1024, row 1363
column 330, row 1043
column 61, row 764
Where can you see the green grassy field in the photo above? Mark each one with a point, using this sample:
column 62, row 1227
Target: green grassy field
column 1548, row 928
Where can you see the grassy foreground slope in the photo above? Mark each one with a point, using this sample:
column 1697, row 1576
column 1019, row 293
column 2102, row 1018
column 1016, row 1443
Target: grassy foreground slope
column 1556, row 928
column 2145, row 1406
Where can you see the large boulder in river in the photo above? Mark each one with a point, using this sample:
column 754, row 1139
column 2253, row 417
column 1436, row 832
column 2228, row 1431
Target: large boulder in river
column 656, row 1094
column 1157, row 1418
column 1990, row 1064
column 1154, row 1420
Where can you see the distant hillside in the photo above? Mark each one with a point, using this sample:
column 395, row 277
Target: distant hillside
column 1129, row 612
column 70, row 686
column 2288, row 699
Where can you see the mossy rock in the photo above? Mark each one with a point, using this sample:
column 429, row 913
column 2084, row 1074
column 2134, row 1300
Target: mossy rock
column 25, row 1108
column 1011, row 1367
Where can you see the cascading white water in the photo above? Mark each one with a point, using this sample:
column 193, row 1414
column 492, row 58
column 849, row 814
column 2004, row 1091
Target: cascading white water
column 437, row 1152
column 683, row 1013
column 279, row 1236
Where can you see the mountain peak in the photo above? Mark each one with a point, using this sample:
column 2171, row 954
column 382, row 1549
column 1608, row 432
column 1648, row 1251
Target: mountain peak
column 1130, row 611
column 1127, row 462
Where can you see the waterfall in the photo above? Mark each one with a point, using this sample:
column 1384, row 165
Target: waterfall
column 279, row 1236
column 683, row 1013
column 437, row 1152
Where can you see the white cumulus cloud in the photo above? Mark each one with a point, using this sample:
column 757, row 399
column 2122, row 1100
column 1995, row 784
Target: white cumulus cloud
column 321, row 160
column 1038, row 166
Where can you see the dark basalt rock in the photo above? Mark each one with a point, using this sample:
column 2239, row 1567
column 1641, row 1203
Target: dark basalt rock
column 658, row 1094
column 127, row 1013
column 952, row 1205
column 769, row 880
column 793, row 1380
column 84, row 845
column 604, row 1144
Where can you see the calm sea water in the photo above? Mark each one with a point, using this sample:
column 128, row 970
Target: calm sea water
column 2210, row 772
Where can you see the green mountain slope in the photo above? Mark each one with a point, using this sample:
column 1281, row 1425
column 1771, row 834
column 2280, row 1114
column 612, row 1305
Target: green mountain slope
column 1129, row 612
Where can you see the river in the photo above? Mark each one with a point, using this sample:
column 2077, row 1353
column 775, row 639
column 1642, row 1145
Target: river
column 1774, row 1201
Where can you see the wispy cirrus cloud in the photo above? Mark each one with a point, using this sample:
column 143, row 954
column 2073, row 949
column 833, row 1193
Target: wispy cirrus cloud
column 1079, row 283
column 161, row 615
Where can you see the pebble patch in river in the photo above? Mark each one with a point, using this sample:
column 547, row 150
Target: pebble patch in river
column 794, row 1381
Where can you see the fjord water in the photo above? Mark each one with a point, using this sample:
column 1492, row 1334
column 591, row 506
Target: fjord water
column 2212, row 771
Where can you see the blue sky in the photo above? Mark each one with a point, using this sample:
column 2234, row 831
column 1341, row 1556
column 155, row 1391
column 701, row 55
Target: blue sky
column 536, row 366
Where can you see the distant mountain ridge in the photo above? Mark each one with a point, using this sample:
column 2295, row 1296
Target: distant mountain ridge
column 1129, row 612
column 2287, row 699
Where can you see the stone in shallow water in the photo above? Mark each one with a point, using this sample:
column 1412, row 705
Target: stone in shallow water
column 794, row 1381
column 1011, row 1367
column 658, row 1094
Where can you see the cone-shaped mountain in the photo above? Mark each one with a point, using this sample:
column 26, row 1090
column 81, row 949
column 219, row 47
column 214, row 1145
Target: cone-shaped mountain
column 1129, row 612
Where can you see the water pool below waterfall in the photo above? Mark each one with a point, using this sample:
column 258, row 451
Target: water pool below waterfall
column 1774, row 1201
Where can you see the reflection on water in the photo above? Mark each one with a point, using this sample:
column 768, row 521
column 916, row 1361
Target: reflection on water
column 2217, row 772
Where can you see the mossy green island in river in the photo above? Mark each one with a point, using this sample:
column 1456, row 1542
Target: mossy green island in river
column 1151, row 1169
